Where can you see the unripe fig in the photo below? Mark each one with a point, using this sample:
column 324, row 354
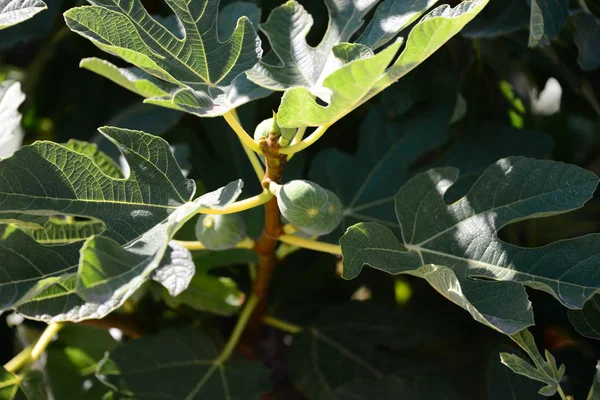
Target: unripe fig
column 220, row 232
column 263, row 129
column 302, row 202
column 335, row 212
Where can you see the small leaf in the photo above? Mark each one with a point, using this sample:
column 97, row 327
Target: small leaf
column 11, row 134
column 547, row 19
column 390, row 18
column 587, row 39
column 504, row 384
column 456, row 249
column 347, row 52
column 13, row 12
column 544, row 371
column 294, row 63
column 180, row 364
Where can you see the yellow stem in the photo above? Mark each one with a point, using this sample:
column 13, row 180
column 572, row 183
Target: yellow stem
column 285, row 250
column 282, row 325
column 311, row 139
column 254, row 161
column 238, row 329
column 44, row 340
column 311, row 244
column 241, row 205
column 242, row 134
column 297, row 139
column 245, row 243
column 19, row 360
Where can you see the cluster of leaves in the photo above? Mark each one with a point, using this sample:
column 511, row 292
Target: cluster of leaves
column 443, row 172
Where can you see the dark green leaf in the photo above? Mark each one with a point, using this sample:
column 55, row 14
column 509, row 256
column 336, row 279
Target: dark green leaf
column 587, row 319
column 180, row 364
column 587, row 39
column 546, row 21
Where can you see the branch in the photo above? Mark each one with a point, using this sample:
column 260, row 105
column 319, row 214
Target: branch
column 245, row 243
column 311, row 244
column 241, row 205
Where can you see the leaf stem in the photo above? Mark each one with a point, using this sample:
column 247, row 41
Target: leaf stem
column 311, row 244
column 44, row 340
column 19, row 360
column 238, row 329
column 297, row 139
column 242, row 134
column 245, row 243
column 254, row 161
column 311, row 139
column 562, row 394
column 241, row 205
column 282, row 325
column 32, row 352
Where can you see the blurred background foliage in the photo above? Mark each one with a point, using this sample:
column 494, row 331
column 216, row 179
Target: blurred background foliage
column 492, row 95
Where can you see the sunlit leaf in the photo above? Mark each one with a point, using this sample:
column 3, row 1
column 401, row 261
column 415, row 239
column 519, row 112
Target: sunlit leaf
column 456, row 249
column 11, row 134
column 180, row 364
column 390, row 18
column 200, row 63
column 13, row 12
column 360, row 80
column 294, row 63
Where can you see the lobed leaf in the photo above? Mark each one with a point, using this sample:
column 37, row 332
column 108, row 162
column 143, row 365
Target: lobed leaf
column 13, row 12
column 456, row 249
column 197, row 71
column 358, row 81
column 503, row 384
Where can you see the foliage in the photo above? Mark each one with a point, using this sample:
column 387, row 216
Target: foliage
column 401, row 150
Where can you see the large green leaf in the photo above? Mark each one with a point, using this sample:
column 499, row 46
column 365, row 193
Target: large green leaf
column 587, row 39
column 294, row 63
column 394, row 388
column 11, row 134
column 358, row 81
column 67, row 182
column 456, row 249
column 357, row 341
column 180, row 364
column 13, row 12
column 546, row 20
column 108, row 273
column 390, row 18
column 203, row 74
column 348, row 85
